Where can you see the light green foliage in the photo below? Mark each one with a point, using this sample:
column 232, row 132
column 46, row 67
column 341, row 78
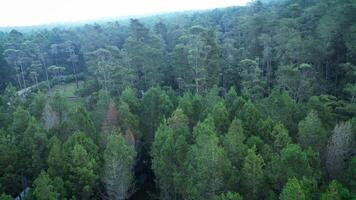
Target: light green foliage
column 21, row 119
column 291, row 162
column 33, row 148
column 233, row 143
column 207, row 127
column 44, row 188
column 208, row 168
column 127, row 120
column 280, row 137
column 292, row 190
column 229, row 196
column 192, row 107
column 169, row 152
column 311, row 132
column 81, row 158
column 129, row 96
column 233, row 103
column 281, row 107
column 210, row 99
column 326, row 107
column 250, row 117
column 119, row 159
column 80, row 120
column 55, row 160
column 252, row 174
column 220, row 116
column 335, row 191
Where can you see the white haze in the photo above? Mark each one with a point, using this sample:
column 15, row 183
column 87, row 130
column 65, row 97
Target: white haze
column 35, row 12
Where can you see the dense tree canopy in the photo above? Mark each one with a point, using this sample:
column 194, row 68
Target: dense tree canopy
column 253, row 102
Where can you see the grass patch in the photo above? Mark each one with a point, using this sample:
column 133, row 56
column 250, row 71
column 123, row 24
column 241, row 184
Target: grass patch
column 67, row 91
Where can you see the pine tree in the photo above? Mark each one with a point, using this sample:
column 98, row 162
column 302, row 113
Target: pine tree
column 292, row 190
column 291, row 162
column 157, row 106
column 250, row 117
column 220, row 116
column 252, row 174
column 233, row 143
column 55, row 160
column 280, row 137
column 335, row 191
column 169, row 152
column 208, row 167
column 311, row 133
column 119, row 159
column 81, row 157
column 44, row 188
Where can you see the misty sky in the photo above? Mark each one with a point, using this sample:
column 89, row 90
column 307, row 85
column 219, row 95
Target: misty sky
column 34, row 12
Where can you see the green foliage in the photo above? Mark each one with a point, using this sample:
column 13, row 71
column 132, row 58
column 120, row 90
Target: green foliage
column 233, row 143
column 350, row 175
column 81, row 159
column 37, row 105
column 282, row 108
column 80, row 120
column 252, row 174
column 192, row 107
column 229, row 196
column 208, row 168
column 251, row 83
column 55, row 160
column 291, row 162
column 127, row 120
column 273, row 76
column 207, row 127
column 233, row 103
column 280, row 137
column 59, row 105
column 5, row 197
column 335, row 191
column 20, row 122
column 119, row 159
column 220, row 116
column 129, row 96
column 312, row 133
column 44, row 188
column 292, row 190
column 250, row 117
column 157, row 107
column 169, row 152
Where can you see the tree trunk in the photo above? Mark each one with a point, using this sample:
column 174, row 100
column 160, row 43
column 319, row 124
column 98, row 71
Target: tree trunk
column 18, row 77
column 23, row 76
column 75, row 74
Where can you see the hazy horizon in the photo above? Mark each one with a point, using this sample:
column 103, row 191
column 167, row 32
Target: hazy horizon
column 39, row 12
